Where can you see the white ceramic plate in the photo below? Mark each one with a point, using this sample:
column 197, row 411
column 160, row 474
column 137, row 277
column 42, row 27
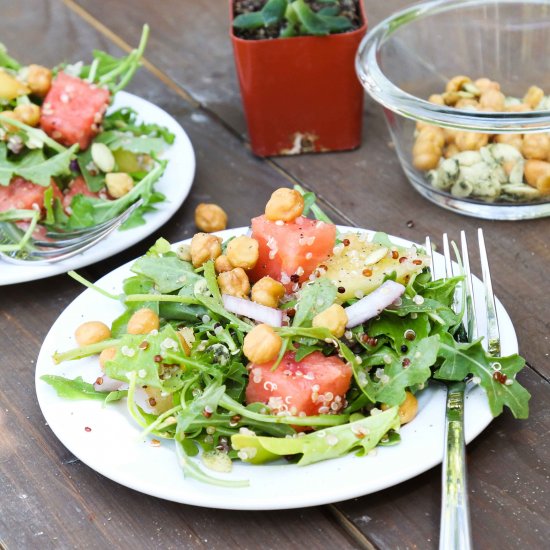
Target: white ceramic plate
column 175, row 184
column 115, row 449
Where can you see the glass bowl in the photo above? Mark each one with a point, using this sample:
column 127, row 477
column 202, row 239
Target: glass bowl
column 415, row 53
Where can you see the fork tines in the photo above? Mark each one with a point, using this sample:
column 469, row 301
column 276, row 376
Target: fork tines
column 62, row 246
column 462, row 266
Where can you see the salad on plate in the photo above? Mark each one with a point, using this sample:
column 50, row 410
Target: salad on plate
column 296, row 341
column 66, row 162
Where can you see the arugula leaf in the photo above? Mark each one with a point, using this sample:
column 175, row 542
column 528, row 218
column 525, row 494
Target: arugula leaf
column 72, row 389
column 324, row 444
column 6, row 60
column 125, row 120
column 314, row 298
column 462, row 359
column 168, row 272
column 396, row 328
column 130, row 358
column 34, row 166
column 116, row 140
column 406, row 370
column 112, row 72
column 88, row 211
column 210, row 398
column 303, row 351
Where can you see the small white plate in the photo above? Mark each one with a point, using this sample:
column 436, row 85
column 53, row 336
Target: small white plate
column 115, row 449
column 175, row 184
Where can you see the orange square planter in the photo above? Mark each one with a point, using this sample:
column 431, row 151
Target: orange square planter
column 301, row 94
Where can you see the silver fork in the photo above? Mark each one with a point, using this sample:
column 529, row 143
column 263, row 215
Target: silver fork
column 59, row 246
column 455, row 531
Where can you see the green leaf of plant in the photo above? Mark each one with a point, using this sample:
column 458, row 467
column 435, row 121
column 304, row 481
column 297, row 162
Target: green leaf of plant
column 273, row 12
column 336, row 23
column 313, row 23
column 249, row 21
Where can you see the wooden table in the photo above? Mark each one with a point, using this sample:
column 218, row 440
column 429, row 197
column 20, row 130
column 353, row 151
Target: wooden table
column 49, row 499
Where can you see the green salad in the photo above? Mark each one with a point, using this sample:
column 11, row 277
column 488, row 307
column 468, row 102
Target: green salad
column 297, row 342
column 65, row 163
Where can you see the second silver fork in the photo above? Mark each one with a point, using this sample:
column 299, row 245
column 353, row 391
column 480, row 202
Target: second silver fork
column 61, row 246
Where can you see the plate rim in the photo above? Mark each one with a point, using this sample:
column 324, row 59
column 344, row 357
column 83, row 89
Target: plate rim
column 201, row 498
column 10, row 273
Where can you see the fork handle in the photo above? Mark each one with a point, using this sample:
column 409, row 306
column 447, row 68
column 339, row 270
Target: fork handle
column 455, row 531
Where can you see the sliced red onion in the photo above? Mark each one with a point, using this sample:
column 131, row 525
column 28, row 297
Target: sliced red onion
column 105, row 384
column 373, row 304
column 252, row 310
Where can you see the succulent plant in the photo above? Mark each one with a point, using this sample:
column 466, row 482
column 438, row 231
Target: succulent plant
column 296, row 18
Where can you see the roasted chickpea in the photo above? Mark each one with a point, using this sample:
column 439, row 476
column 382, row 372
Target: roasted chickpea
column 451, row 98
column 471, row 141
column 515, row 140
column 533, row 96
column 466, row 103
column 262, row 344
column 408, row 409
column 28, row 113
column 234, row 283
column 492, row 100
column 450, row 135
column 39, row 80
column 426, row 161
column 268, row 292
column 118, row 184
column 484, row 84
column 92, row 332
column 537, row 174
column 334, row 318
column 451, row 150
column 285, row 205
column 243, row 252
column 435, row 134
column 210, row 217
column 536, row 146
column 9, row 127
column 457, row 82
column 519, row 108
column 437, row 99
column 205, row 247
column 222, row 264
column 106, row 355
column 143, row 321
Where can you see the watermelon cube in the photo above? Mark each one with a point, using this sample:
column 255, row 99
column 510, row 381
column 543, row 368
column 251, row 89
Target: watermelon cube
column 73, row 110
column 315, row 385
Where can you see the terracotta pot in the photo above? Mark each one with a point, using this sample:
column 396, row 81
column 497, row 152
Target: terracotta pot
column 301, row 94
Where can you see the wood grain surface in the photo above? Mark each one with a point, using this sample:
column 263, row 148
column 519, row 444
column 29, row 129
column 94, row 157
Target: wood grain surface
column 49, row 499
